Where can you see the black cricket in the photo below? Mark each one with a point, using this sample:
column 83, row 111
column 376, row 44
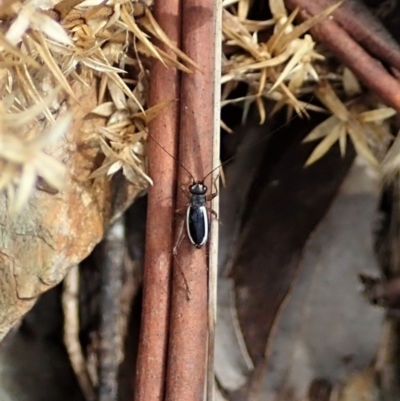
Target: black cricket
column 197, row 216
column 198, row 213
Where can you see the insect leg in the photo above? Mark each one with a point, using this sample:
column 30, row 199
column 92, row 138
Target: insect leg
column 179, row 238
column 188, row 294
column 214, row 185
column 175, row 252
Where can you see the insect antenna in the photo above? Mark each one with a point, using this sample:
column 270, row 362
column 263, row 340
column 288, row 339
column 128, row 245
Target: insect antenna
column 166, row 151
column 258, row 141
column 232, row 157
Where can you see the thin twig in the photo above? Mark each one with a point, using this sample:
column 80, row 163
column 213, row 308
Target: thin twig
column 338, row 40
column 70, row 304
column 111, row 261
column 152, row 353
column 359, row 22
column 188, row 340
column 214, row 244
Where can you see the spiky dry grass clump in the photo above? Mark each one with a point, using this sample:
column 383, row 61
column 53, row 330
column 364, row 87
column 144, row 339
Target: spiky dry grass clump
column 278, row 60
column 47, row 47
column 274, row 57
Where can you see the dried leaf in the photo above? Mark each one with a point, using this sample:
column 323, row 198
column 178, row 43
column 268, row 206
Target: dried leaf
column 350, row 83
column 17, row 28
column 358, row 138
column 323, row 147
column 152, row 112
column 104, row 109
column 115, row 167
column 322, row 129
column 117, row 95
column 376, row 115
column 51, row 28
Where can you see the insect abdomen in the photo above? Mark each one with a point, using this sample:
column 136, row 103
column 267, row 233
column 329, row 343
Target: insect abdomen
column 197, row 225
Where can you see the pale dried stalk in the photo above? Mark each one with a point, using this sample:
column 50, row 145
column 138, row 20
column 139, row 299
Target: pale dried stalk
column 70, row 305
column 213, row 255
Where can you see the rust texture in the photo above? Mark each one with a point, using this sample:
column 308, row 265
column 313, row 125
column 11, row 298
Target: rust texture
column 188, row 339
column 151, row 363
column 351, row 43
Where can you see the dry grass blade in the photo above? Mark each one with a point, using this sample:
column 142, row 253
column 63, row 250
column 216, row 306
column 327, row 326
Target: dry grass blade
column 117, row 79
column 237, row 34
column 25, row 81
column 352, row 121
column 152, row 26
column 243, row 9
column 307, row 25
column 273, row 62
column 18, row 120
column 351, row 85
column 130, row 23
column 152, row 112
column 323, row 147
column 322, row 129
column 46, row 56
column 282, row 67
column 376, row 115
column 14, row 51
column 283, row 26
column 122, row 140
column 306, row 47
column 328, row 97
column 168, row 60
column 342, row 142
column 357, row 136
column 261, row 109
column 391, row 163
column 278, row 9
